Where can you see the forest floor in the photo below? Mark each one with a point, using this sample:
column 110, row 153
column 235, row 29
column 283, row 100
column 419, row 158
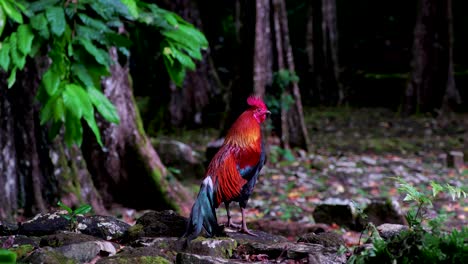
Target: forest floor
column 356, row 155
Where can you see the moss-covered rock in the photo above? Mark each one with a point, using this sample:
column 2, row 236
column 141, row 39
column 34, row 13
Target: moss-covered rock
column 134, row 260
column 327, row 239
column 49, row 256
column 216, row 247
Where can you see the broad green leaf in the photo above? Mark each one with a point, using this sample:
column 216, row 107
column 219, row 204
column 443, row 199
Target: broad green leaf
column 66, row 217
column 94, row 23
column 41, row 5
column 118, row 40
column 80, row 71
column 12, row 79
column 5, row 55
column 72, row 102
column 171, row 19
column 63, row 206
column 76, row 101
column 100, row 55
column 18, row 59
column 93, row 125
column 7, row 256
column 175, row 71
column 132, row 7
column 56, row 17
column 51, row 81
column 39, row 23
column 73, row 129
column 185, row 60
column 25, row 39
column 47, row 111
column 3, row 19
column 84, row 209
column 55, row 129
column 103, row 105
column 12, row 12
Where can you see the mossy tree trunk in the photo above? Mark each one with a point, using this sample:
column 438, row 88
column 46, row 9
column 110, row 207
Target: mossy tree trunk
column 128, row 170
column 36, row 172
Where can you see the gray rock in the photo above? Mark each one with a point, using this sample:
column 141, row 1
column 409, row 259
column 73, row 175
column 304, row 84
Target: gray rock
column 388, row 231
column 262, row 237
column 49, row 256
column 181, row 156
column 216, row 247
column 187, row 258
column 65, row 238
column 8, row 228
column 326, row 239
column 18, row 240
column 158, row 224
column 383, row 210
column 339, row 211
column 86, row 251
column 44, row 224
column 105, row 227
column 313, row 253
column 133, row 260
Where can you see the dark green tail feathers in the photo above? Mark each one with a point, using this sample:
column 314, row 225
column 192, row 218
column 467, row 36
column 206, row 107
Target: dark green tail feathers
column 203, row 213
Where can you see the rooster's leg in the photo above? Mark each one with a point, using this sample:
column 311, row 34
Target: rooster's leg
column 229, row 223
column 244, row 224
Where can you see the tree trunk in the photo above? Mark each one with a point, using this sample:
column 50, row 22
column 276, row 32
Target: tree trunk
column 293, row 130
column 330, row 46
column 263, row 68
column 34, row 172
column 432, row 66
column 128, row 170
column 188, row 102
column 452, row 97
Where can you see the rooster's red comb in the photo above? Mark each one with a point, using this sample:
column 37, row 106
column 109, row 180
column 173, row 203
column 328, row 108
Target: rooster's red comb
column 256, row 101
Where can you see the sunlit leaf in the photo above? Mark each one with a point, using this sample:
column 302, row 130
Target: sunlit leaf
column 5, row 55
column 84, row 209
column 25, row 39
column 11, row 11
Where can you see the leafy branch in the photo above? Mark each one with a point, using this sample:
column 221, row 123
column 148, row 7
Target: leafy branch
column 76, row 37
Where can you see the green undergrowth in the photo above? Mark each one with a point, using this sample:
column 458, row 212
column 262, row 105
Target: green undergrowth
column 425, row 241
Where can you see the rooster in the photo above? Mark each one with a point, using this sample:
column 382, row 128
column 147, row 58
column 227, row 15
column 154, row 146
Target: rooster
column 232, row 173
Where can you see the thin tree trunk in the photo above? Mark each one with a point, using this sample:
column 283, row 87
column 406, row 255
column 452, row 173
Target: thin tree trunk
column 452, row 96
column 297, row 128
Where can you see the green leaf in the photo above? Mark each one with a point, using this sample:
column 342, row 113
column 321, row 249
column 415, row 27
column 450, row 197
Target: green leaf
column 93, row 125
column 5, row 55
column 436, row 188
column 56, row 17
column 80, row 71
column 94, row 23
column 100, row 55
column 39, row 23
column 77, row 101
column 18, row 59
column 25, row 39
column 103, row 105
column 12, row 12
column 41, row 5
column 7, row 256
column 12, row 79
column 63, row 206
column 69, row 218
column 3, row 19
column 55, row 129
column 84, row 209
column 185, row 60
column 51, row 81
column 73, row 129
column 175, row 71
column 132, row 7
